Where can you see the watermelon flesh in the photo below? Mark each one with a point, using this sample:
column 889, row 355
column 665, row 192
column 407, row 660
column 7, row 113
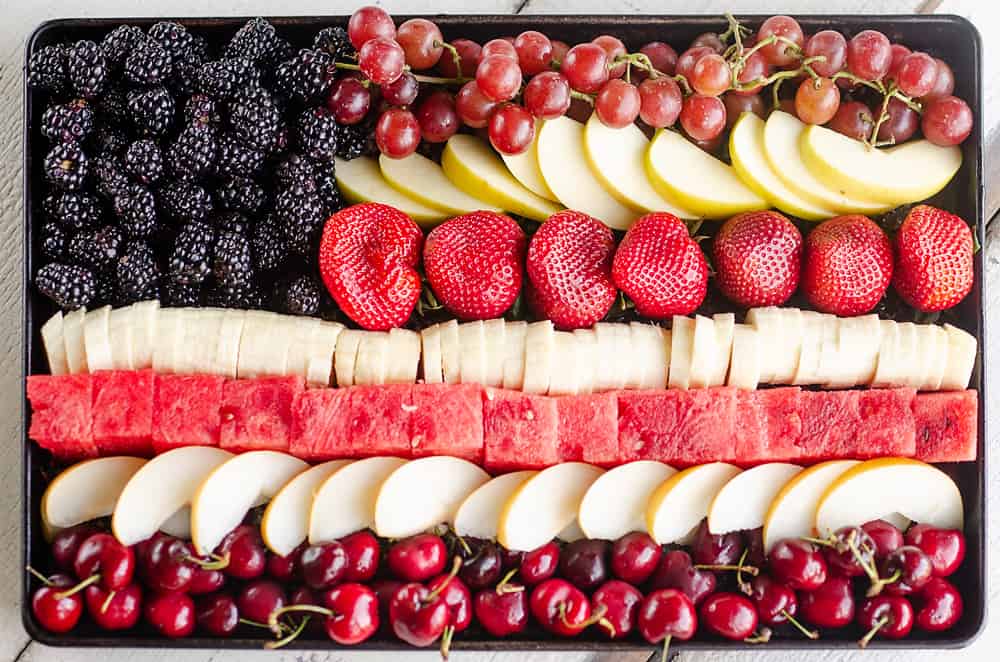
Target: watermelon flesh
column 257, row 413
column 946, row 426
column 380, row 420
column 123, row 412
column 886, row 427
column 781, row 423
column 749, row 435
column 321, row 424
column 588, row 428
column 520, row 430
column 61, row 415
column 186, row 411
column 447, row 420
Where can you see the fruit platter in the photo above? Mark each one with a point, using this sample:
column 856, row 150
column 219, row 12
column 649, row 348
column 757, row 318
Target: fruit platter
column 504, row 333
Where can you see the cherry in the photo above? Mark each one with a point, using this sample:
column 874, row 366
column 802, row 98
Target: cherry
column 887, row 538
column 729, row 615
column 539, row 564
column 67, row 542
column 829, row 606
column 101, row 554
column 620, row 601
column 888, row 616
column 667, row 614
column 363, row 555
column 456, row 595
column 585, row 563
column 217, row 614
column 418, row 557
column 481, row 563
column 634, row 557
column 171, row 614
column 905, row 571
column 945, row 547
column 302, row 595
column 417, row 616
column 561, row 608
column 259, row 598
column 776, row 604
column 939, row 605
column 676, row 570
column 285, row 568
column 510, row 558
column 244, row 552
column 851, row 553
column 166, row 566
column 324, row 565
column 798, row 564
column 385, row 589
column 205, row 581
column 502, row 612
column 710, row 549
column 54, row 607
column 753, row 541
column 355, row 613
column 114, row 610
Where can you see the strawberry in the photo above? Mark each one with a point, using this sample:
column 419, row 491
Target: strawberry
column 848, row 265
column 474, row 264
column 933, row 259
column 368, row 257
column 660, row 267
column 569, row 270
column 757, row 258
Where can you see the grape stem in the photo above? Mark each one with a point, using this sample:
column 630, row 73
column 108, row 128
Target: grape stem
column 455, row 57
column 430, row 80
column 582, row 96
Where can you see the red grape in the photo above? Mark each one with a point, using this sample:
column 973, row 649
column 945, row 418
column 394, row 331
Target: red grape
column 869, row 55
column 947, row 121
column 349, row 100
column 711, row 75
column 899, row 53
column 402, row 91
column 472, row 106
column 831, row 45
column 498, row 77
column 498, row 47
column 468, row 54
column 382, row 60
column 710, row 145
column 660, row 101
column 779, row 53
column 586, row 67
column 512, row 129
column 944, row 83
column 368, row 23
column 703, row 117
column 397, row 133
column 902, row 122
column 547, row 95
column 421, row 41
column 534, row 52
column 755, row 68
column 614, row 47
column 437, row 117
column 853, row 119
column 787, row 105
column 709, row 39
column 689, row 58
column 661, row 55
column 917, row 74
column 559, row 50
column 617, row 104
column 737, row 104
column 816, row 101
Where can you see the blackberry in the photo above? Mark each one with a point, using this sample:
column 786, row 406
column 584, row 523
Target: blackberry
column 335, row 42
column 295, row 171
column 327, row 189
column 68, row 285
column 245, row 296
column 237, row 159
column 106, row 288
column 352, row 141
column 191, row 257
column 270, row 248
column 232, row 221
column 305, row 77
column 118, row 43
column 172, row 36
column 109, row 140
column 152, row 111
column 255, row 41
column 109, row 171
column 144, row 162
column 113, row 105
column 240, row 194
column 53, row 244
column 279, row 148
column 184, row 202
column 136, row 211
column 232, row 264
column 255, row 118
column 192, row 156
column 181, row 294
column 299, row 296
column 317, row 134
column 66, row 166
column 301, row 215
column 201, row 109
column 75, row 211
column 148, row 63
column 137, row 273
column 96, row 249
column 223, row 79
column 87, row 68
column 47, row 69
column 184, row 77
column 68, row 121
column 199, row 47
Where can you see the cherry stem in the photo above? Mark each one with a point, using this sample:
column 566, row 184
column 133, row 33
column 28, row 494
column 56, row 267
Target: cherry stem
column 93, row 579
column 744, row 586
column 866, row 565
column 271, row 645
column 749, row 569
column 595, row 617
column 609, row 626
column 461, row 540
column 446, row 637
column 810, row 634
column 431, row 80
column 879, row 624
column 218, row 562
column 272, row 618
column 761, row 637
column 433, row 595
column 39, row 576
column 666, row 647
column 879, row 584
column 107, row 601
column 258, row 624
column 504, row 586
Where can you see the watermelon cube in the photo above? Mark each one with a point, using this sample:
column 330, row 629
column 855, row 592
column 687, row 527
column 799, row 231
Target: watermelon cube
column 123, row 412
column 588, row 428
column 321, row 424
column 520, row 430
column 379, row 420
column 750, row 433
column 257, row 413
column 186, row 411
column 61, row 415
column 781, row 423
column 831, row 421
column 447, row 419
column 886, row 427
column 946, row 426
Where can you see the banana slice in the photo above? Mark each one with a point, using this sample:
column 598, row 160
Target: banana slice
column 319, row 367
column 345, row 356
column 430, row 351
column 769, row 325
column 681, row 351
column 927, row 351
column 791, row 321
column 120, row 334
column 145, row 317
column 303, row 332
column 909, row 355
column 635, row 367
column 472, row 350
column 76, row 349
column 887, row 370
column 829, row 354
column 97, row 340
column 961, row 359
column 494, row 334
column 653, row 345
column 539, row 350
column 201, row 336
column 624, row 358
column 227, row 347
column 169, row 335
column 373, row 358
column 586, row 351
column 939, row 361
column 565, row 362
column 857, row 351
column 807, row 371
column 263, row 345
column 404, row 357
column 606, row 361
column 55, row 344
column 703, row 352
column 513, row 361
column 724, row 323
column 744, row 366
column 451, row 353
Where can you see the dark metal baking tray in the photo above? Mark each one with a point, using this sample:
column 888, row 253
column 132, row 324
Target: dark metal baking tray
column 949, row 37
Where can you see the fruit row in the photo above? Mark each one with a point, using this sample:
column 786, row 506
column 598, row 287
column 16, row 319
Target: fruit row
column 141, row 413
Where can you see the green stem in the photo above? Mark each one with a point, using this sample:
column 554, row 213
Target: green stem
column 582, row 96
column 39, row 576
column 271, row 645
column 89, row 581
column 455, row 57
column 430, row 80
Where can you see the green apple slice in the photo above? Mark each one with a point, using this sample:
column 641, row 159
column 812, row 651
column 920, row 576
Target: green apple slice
column 360, row 180
column 782, row 138
column 564, row 166
column 474, row 167
column 524, row 167
column 418, row 177
column 617, row 157
column 907, row 173
column 684, row 172
column 746, row 149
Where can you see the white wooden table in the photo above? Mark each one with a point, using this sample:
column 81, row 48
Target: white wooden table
column 17, row 19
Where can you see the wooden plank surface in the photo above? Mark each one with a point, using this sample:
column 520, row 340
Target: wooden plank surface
column 19, row 17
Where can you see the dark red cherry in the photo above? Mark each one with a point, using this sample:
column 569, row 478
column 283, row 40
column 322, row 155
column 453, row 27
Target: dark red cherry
column 114, row 610
column 539, row 564
column 753, row 540
column 851, row 551
column 676, row 570
column 905, row 571
column 887, row 538
column 939, row 606
column 55, row 611
column 286, row 568
column 798, row 564
column 244, row 551
column 171, row 614
column 205, row 581
column 711, row 549
column 634, row 557
column 418, row 557
column 481, row 563
column 363, row 554
column 560, row 607
column 217, row 614
column 102, row 554
column 585, row 563
column 259, row 598
column 620, row 602
column 416, row 616
column 667, row 612
column 829, row 606
column 945, row 547
column 885, row 616
column 502, row 613
column 166, row 564
column 355, row 613
column 774, row 602
column 324, row 566
column 510, row 558
column 456, row 595
column 729, row 615
column 385, row 589
column 67, row 542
